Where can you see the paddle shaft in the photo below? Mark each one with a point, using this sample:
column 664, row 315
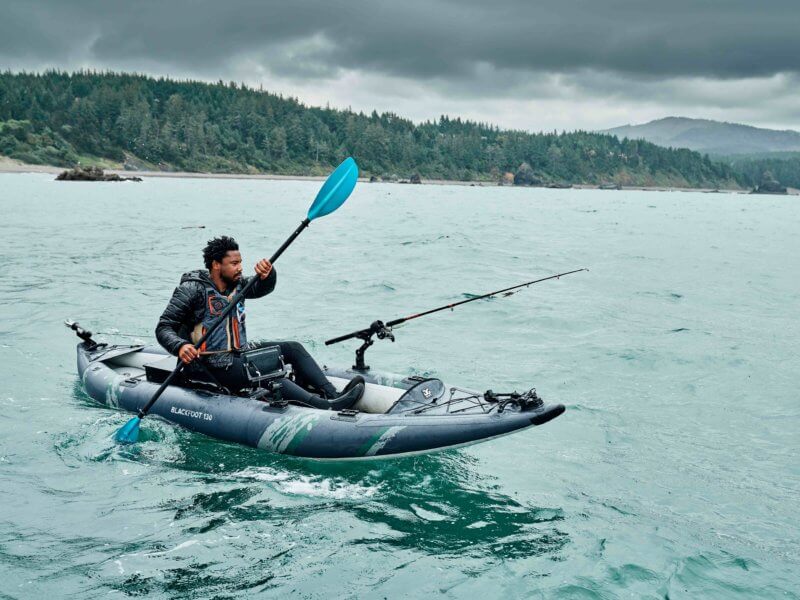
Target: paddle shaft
column 231, row 305
column 361, row 332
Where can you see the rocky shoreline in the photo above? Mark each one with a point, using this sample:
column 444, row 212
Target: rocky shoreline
column 8, row 165
column 92, row 174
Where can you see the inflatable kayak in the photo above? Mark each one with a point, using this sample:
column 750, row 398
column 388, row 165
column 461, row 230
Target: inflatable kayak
column 397, row 415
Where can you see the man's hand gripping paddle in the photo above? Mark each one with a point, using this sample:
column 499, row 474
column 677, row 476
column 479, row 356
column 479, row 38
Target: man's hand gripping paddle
column 331, row 196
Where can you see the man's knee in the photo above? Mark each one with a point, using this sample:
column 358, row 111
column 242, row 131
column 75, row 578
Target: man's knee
column 291, row 351
column 283, row 345
column 295, row 348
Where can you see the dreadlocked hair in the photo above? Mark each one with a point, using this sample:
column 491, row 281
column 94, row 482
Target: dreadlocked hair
column 217, row 248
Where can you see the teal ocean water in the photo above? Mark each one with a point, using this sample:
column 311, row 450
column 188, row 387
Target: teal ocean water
column 674, row 472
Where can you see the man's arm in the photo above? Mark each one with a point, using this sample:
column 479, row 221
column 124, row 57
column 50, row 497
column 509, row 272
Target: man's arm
column 264, row 285
column 178, row 311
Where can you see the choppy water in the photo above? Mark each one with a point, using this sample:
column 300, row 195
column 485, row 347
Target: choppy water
column 674, row 472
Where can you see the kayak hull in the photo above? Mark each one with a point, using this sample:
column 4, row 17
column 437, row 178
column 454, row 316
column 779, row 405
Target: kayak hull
column 294, row 430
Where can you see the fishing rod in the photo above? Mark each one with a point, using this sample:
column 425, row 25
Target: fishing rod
column 384, row 330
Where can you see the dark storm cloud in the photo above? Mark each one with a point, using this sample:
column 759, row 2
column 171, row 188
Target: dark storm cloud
column 533, row 64
column 416, row 39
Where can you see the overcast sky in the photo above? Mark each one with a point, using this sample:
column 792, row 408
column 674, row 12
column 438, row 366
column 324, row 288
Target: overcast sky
column 523, row 64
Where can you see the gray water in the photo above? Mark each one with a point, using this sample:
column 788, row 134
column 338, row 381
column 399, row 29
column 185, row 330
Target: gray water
column 673, row 473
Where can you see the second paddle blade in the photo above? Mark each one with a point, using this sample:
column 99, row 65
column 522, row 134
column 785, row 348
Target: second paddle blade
column 129, row 433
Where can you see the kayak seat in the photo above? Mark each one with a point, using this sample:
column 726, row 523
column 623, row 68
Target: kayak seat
column 419, row 397
column 158, row 370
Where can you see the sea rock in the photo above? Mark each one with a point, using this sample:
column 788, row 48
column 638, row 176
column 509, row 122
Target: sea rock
column 526, row 176
column 559, row 185
column 133, row 163
column 507, row 178
column 772, row 187
column 91, row 174
column 373, row 178
column 609, row 186
column 415, row 178
column 769, row 185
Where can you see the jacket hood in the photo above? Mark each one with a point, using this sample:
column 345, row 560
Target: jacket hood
column 200, row 275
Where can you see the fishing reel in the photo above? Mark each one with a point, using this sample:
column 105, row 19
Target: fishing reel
column 381, row 330
column 378, row 329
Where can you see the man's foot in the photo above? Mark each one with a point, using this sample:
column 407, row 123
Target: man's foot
column 350, row 395
column 353, row 383
column 330, row 392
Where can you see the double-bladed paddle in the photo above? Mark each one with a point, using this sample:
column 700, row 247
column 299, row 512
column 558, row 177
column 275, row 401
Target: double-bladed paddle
column 331, row 196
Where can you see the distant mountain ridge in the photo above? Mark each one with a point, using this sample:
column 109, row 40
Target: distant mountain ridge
column 712, row 137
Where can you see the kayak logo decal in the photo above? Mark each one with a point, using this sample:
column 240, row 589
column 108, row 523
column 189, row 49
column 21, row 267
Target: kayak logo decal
column 193, row 414
column 427, row 393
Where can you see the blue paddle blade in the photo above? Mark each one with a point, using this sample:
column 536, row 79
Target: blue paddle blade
column 336, row 190
column 129, row 433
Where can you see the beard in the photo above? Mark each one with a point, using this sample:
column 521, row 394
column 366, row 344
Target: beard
column 231, row 281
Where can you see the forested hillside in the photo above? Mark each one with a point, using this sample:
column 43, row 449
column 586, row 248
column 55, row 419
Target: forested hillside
column 133, row 120
column 785, row 168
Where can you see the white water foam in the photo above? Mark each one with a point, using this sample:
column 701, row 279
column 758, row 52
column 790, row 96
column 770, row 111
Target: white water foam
column 314, row 487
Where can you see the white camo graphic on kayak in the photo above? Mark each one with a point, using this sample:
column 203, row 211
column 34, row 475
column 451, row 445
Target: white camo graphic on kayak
column 385, row 438
column 283, row 431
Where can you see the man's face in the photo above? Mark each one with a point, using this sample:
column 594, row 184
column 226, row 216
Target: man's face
column 230, row 269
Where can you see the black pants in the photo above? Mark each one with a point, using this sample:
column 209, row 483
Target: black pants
column 306, row 371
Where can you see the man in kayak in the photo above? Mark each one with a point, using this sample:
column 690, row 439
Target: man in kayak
column 197, row 303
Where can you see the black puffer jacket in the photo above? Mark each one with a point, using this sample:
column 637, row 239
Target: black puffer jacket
column 187, row 307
